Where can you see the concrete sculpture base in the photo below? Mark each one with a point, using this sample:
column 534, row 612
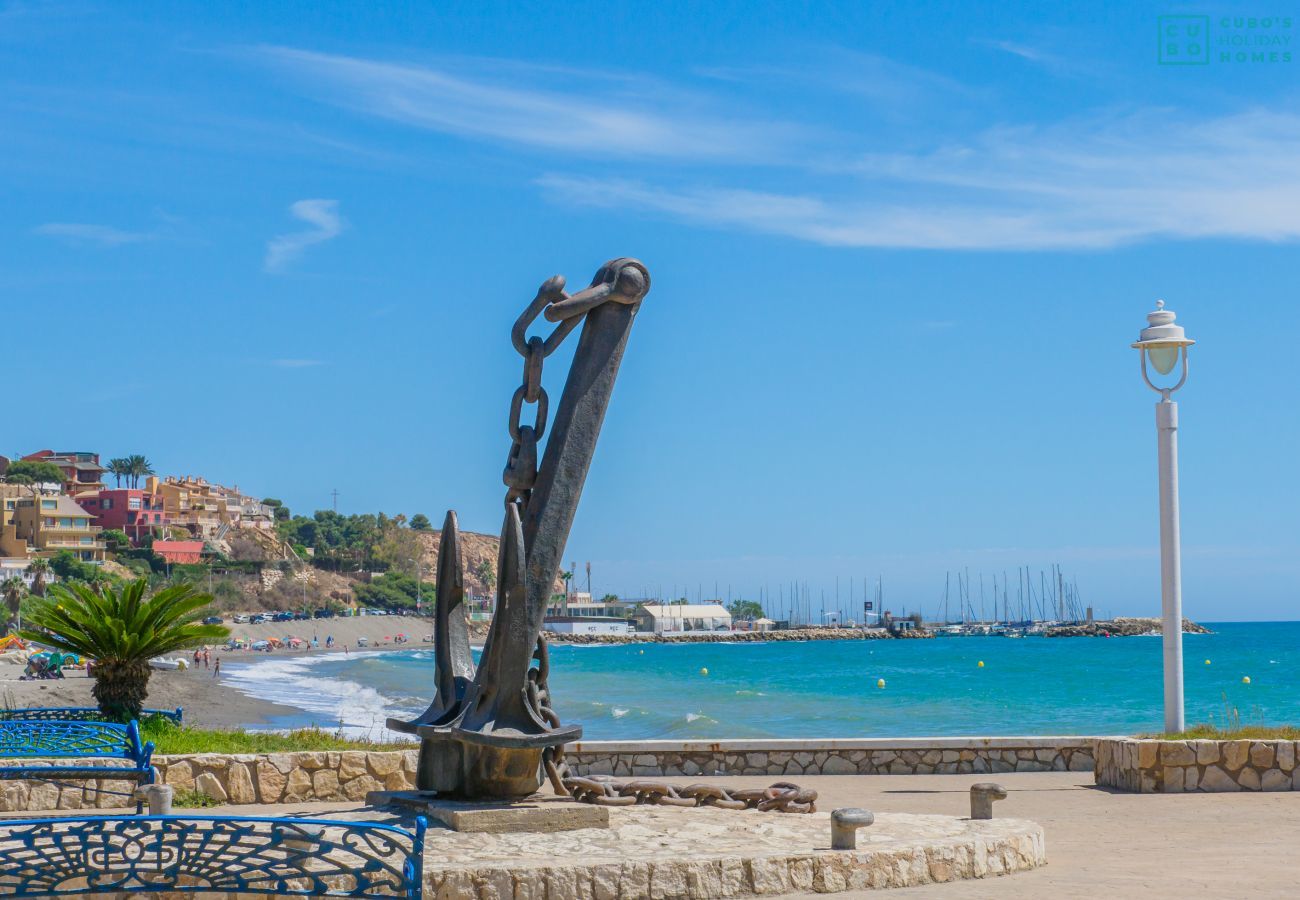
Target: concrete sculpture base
column 657, row 851
column 539, row 813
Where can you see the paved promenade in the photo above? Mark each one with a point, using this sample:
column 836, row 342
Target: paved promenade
column 1100, row 845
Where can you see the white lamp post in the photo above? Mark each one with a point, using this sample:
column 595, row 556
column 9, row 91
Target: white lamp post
column 1163, row 342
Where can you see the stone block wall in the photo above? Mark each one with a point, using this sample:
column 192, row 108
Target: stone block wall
column 239, row 778
column 351, row 774
column 1176, row 767
column 910, row 756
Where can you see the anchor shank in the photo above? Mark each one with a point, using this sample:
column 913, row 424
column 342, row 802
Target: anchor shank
column 569, row 451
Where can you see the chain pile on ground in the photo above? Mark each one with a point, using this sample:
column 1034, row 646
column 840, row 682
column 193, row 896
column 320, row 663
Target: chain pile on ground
column 603, row 790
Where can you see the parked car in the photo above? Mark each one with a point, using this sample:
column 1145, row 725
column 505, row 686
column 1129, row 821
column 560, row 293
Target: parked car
column 240, row 619
column 260, row 618
column 213, row 620
column 323, row 614
column 283, row 617
column 300, row 616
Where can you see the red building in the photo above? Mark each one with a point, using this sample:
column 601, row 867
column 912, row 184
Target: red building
column 132, row 510
column 179, row 551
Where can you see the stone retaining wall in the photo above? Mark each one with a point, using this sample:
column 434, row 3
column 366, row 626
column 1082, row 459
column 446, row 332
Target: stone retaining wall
column 870, row 756
column 351, row 774
column 238, row 778
column 1176, row 767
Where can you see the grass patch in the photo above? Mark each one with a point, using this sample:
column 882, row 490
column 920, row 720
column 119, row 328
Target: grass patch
column 192, row 799
column 169, row 738
column 1245, row 733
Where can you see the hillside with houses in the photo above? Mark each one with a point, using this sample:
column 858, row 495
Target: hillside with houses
column 69, row 515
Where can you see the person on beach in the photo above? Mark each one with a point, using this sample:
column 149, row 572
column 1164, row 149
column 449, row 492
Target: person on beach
column 207, row 658
column 216, row 670
column 198, row 657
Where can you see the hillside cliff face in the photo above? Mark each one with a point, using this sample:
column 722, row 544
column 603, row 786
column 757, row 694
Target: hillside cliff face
column 476, row 550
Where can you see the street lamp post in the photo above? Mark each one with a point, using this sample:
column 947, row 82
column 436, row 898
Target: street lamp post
column 1163, row 342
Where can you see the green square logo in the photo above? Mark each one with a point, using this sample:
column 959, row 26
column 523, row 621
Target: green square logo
column 1184, row 40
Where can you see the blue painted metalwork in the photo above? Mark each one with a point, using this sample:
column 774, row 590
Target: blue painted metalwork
column 79, row 714
column 80, row 740
column 204, row 854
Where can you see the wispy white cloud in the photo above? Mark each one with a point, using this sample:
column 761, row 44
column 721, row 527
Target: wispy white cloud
column 86, row 233
column 1082, row 184
column 296, row 363
column 1110, row 178
column 615, row 116
column 1024, row 51
column 327, row 224
column 835, row 70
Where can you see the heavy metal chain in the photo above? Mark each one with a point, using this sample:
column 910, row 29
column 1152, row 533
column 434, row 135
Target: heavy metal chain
column 604, row 791
column 620, row 281
column 521, row 465
column 520, row 473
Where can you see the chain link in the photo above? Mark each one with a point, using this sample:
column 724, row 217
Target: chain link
column 605, row 791
column 521, row 463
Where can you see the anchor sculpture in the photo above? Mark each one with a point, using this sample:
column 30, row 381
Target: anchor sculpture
column 490, row 732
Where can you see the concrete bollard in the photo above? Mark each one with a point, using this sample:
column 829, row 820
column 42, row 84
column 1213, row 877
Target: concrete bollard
column 845, row 824
column 982, row 796
column 158, row 796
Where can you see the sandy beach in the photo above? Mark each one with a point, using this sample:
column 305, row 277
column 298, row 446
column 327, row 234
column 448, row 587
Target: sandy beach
column 208, row 701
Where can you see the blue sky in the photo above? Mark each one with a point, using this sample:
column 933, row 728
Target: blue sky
column 899, row 252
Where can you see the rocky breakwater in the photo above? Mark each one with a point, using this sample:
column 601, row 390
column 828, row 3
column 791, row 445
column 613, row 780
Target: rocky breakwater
column 794, row 634
column 1125, row 627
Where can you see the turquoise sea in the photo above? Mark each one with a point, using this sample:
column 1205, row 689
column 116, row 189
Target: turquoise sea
column 829, row 688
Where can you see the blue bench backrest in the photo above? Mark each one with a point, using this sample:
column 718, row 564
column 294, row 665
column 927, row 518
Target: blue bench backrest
column 236, row 854
column 79, row 714
column 73, row 739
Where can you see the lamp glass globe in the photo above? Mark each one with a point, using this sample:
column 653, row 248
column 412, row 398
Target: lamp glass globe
column 1163, row 358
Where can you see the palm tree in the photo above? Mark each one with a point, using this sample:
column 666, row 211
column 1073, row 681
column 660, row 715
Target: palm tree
column 138, row 467
column 119, row 468
column 13, row 590
column 40, row 570
column 121, row 630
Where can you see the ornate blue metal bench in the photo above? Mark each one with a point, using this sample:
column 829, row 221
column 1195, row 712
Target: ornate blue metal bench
column 209, row 854
column 77, row 740
column 78, row 714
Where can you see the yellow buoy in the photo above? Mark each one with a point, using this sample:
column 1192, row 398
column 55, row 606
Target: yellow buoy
column 1245, row 679
column 980, row 664
column 642, row 653
column 1207, row 662
column 880, row 682
column 704, row 671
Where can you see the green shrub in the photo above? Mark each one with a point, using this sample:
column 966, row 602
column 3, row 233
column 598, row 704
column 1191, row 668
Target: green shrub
column 189, row 798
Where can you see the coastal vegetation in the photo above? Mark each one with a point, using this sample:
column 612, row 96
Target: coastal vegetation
column 1210, row 732
column 168, row 737
column 33, row 471
column 121, row 630
column 132, row 468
